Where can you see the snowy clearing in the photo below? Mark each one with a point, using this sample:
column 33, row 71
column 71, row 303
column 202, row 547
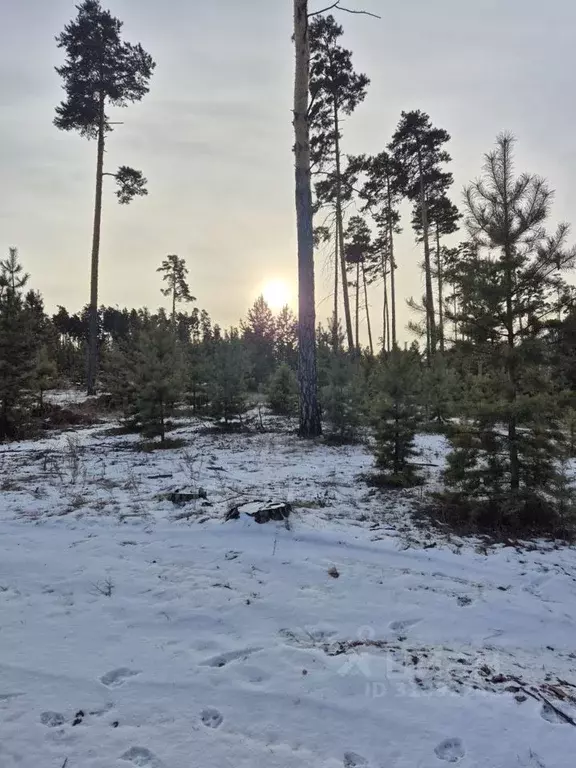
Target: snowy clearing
column 139, row 632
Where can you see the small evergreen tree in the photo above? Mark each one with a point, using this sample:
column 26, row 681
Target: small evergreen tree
column 505, row 464
column 18, row 347
column 342, row 398
column 396, row 416
column 228, row 379
column 159, row 382
column 283, row 391
column 259, row 334
column 45, row 374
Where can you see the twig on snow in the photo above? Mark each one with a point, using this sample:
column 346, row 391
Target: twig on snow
column 540, row 697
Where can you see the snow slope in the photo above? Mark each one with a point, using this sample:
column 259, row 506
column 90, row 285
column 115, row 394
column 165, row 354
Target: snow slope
column 131, row 638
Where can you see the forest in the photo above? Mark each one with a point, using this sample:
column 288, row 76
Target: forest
column 332, row 535
column 491, row 361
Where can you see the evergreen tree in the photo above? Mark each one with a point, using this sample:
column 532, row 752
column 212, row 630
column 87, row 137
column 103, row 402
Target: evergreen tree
column 19, row 343
column 45, row 373
column 382, row 194
column 228, row 379
column 504, row 465
column 417, row 147
column 159, row 381
column 259, row 335
column 144, row 376
column 174, row 274
column 283, row 391
column 360, row 257
column 342, row 398
column 286, row 337
column 336, row 90
column 100, row 69
column 310, row 423
column 396, row 416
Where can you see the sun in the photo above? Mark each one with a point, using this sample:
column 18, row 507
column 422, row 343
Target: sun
column 276, row 294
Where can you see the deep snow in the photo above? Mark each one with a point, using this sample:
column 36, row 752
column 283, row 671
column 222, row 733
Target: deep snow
column 172, row 638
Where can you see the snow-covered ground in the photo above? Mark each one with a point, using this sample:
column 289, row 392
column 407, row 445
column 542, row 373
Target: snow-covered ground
column 136, row 632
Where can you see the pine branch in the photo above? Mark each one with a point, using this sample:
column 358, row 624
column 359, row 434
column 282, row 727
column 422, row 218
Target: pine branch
column 337, row 7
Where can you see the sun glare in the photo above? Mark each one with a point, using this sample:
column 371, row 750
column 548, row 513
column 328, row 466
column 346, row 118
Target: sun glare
column 276, row 294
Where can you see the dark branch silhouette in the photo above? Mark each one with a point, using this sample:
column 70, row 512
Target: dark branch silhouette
column 336, row 6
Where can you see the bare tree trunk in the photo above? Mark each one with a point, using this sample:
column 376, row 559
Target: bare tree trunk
column 310, row 424
column 431, row 319
column 340, row 230
column 368, row 324
column 392, row 262
column 440, row 276
column 335, row 339
column 357, row 305
column 92, row 367
column 385, row 320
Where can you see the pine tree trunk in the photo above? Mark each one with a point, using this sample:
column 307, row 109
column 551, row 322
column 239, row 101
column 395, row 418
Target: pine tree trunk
column 431, row 319
column 92, row 368
column 392, row 262
column 440, row 290
column 385, row 321
column 357, row 306
column 368, row 324
column 335, row 340
column 340, row 229
column 174, row 304
column 310, row 425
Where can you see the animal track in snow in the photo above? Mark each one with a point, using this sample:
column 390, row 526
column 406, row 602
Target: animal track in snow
column 117, row 677
column 549, row 714
column 52, row 719
column 450, row 750
column 141, row 757
column 403, row 624
column 225, row 658
column 353, row 760
column 211, row 717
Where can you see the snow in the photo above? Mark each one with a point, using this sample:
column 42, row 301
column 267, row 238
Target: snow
column 174, row 639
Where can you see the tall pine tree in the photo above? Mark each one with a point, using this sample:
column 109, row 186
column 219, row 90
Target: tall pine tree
column 100, row 70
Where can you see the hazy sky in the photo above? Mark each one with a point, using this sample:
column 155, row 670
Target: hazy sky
column 214, row 134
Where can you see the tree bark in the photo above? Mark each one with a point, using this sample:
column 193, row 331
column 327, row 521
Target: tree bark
column 368, row 324
column 357, row 329
column 385, row 308
column 92, row 367
column 310, row 424
column 335, row 339
column 440, row 290
column 340, row 229
column 431, row 319
column 392, row 262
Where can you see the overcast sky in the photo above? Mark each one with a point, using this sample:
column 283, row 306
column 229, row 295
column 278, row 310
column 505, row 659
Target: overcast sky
column 214, row 134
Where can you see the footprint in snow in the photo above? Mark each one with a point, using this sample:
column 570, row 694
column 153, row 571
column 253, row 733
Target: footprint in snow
column 211, row 717
column 225, row 658
column 548, row 713
column 117, row 677
column 403, row 624
column 354, row 760
column 52, row 719
column 141, row 757
column 450, row 750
